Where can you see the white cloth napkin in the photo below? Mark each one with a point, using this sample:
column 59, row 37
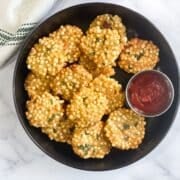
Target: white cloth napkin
column 17, row 19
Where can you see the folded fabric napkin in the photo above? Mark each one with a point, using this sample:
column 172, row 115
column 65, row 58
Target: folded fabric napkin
column 17, row 19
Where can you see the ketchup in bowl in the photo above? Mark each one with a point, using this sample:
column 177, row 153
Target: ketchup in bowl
column 150, row 93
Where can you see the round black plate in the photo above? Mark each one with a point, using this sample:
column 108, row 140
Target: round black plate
column 137, row 25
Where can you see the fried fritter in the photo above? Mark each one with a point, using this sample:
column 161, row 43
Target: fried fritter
column 47, row 57
column 70, row 35
column 90, row 142
column 62, row 132
column 138, row 55
column 125, row 129
column 111, row 89
column 36, row 85
column 69, row 80
column 44, row 110
column 108, row 21
column 87, row 107
column 101, row 46
column 94, row 69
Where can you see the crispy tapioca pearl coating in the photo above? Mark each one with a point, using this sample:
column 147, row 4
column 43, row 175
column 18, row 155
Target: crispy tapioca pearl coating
column 101, row 46
column 111, row 89
column 36, row 85
column 125, row 129
column 138, row 55
column 46, row 57
column 44, row 110
column 70, row 36
column 69, row 80
column 62, row 132
column 108, row 21
column 94, row 69
column 91, row 142
column 87, row 107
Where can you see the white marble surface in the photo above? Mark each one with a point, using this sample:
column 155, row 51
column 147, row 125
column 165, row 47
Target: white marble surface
column 21, row 159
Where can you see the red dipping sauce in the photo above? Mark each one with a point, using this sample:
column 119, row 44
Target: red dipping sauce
column 150, row 93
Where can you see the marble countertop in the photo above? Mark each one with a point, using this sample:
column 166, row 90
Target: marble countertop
column 21, row 159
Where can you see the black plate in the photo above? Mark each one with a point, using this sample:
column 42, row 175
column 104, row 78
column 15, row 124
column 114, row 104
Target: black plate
column 137, row 25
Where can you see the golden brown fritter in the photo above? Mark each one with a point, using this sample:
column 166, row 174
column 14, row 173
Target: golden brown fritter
column 70, row 35
column 47, row 57
column 109, row 21
column 101, row 46
column 125, row 129
column 87, row 107
column 44, row 110
column 62, row 132
column 94, row 69
column 69, row 80
column 111, row 89
column 138, row 55
column 36, row 85
column 90, row 142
